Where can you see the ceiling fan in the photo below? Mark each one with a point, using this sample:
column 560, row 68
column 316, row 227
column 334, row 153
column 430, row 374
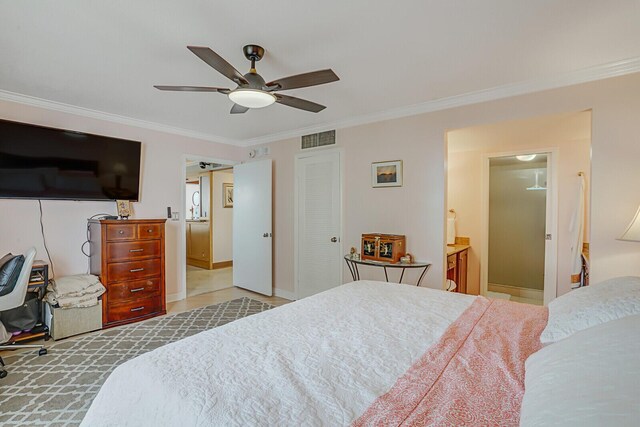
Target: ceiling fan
column 252, row 90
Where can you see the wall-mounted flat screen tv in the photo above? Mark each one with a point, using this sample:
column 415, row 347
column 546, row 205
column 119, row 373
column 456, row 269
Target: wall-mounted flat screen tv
column 44, row 163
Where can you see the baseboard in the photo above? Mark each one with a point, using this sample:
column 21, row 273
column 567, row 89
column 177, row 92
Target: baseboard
column 516, row 291
column 199, row 263
column 176, row 296
column 222, row 264
column 284, row 294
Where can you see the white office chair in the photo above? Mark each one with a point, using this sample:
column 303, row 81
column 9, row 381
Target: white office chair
column 15, row 299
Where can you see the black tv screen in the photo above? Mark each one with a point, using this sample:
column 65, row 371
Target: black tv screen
column 44, row 163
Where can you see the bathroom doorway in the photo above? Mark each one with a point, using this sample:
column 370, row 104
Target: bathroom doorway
column 208, row 225
column 520, row 227
column 563, row 143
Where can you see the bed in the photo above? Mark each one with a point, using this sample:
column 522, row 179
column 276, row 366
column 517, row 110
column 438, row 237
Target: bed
column 365, row 353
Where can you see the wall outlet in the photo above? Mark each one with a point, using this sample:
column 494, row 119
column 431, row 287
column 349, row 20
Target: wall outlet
column 175, row 216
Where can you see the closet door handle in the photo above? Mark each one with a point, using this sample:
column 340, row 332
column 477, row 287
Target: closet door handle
column 136, row 250
column 135, row 270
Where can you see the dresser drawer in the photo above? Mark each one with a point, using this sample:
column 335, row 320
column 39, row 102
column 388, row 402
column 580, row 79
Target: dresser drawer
column 134, row 289
column 123, row 271
column 129, row 251
column 150, row 231
column 133, row 309
column 121, row 231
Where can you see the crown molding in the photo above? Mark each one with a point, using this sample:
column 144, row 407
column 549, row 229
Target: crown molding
column 598, row 72
column 110, row 117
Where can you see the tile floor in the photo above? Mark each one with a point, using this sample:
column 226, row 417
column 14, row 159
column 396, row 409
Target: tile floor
column 201, row 280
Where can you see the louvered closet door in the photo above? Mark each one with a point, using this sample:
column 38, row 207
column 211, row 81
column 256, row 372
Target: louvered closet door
column 319, row 248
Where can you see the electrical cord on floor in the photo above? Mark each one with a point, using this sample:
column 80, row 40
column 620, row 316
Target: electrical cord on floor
column 44, row 241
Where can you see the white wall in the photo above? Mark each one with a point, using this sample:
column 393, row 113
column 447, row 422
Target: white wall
column 222, row 219
column 65, row 222
column 418, row 208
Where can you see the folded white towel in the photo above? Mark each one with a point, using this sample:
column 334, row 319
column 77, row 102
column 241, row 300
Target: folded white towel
column 74, row 286
column 451, row 231
column 89, row 298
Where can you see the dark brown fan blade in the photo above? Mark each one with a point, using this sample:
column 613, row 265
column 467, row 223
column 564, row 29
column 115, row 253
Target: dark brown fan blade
column 302, row 104
column 238, row 109
column 313, row 78
column 194, row 89
column 218, row 63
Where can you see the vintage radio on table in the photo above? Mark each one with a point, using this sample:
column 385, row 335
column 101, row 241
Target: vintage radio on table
column 383, row 247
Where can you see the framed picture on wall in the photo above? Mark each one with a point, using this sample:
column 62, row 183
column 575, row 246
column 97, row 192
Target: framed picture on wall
column 386, row 174
column 227, row 194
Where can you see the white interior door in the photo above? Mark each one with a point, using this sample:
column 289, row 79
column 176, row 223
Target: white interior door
column 252, row 238
column 319, row 226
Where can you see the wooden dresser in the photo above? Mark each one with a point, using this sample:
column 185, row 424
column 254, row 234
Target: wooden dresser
column 128, row 255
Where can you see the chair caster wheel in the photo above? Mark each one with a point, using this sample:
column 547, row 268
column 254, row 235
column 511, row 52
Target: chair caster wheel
column 42, row 352
column 3, row 373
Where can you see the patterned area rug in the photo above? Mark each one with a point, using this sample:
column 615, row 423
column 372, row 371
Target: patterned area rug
column 58, row 388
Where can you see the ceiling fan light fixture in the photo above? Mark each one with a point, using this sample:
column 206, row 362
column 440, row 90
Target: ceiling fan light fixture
column 252, row 98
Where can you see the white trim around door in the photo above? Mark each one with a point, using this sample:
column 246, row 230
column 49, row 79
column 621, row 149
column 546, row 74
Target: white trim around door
column 182, row 239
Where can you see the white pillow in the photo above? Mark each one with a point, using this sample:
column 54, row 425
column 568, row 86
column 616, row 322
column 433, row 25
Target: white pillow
column 591, row 378
column 590, row 306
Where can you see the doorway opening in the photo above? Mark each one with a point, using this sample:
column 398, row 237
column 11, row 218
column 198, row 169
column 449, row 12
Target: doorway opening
column 518, row 202
column 519, row 211
column 208, row 207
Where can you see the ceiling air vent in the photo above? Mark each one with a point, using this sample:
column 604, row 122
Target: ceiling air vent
column 319, row 139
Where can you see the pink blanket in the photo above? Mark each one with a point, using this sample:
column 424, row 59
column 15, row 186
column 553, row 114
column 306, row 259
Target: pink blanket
column 473, row 376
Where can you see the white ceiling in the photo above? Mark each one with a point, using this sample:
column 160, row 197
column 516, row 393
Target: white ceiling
column 105, row 56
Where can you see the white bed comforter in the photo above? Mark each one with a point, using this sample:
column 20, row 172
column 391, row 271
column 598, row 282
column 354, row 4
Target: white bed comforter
column 319, row 361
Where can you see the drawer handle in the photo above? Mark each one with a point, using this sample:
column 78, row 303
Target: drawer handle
column 136, row 290
column 137, row 309
column 135, row 270
column 121, row 232
column 136, row 250
column 150, row 230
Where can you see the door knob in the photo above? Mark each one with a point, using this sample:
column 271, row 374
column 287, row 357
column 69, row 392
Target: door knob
column 334, row 239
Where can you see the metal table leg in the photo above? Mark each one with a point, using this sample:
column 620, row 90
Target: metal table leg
column 402, row 274
column 422, row 275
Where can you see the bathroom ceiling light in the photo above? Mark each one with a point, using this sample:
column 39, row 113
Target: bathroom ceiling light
column 526, row 157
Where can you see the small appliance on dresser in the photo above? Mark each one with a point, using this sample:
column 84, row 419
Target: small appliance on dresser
column 128, row 256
